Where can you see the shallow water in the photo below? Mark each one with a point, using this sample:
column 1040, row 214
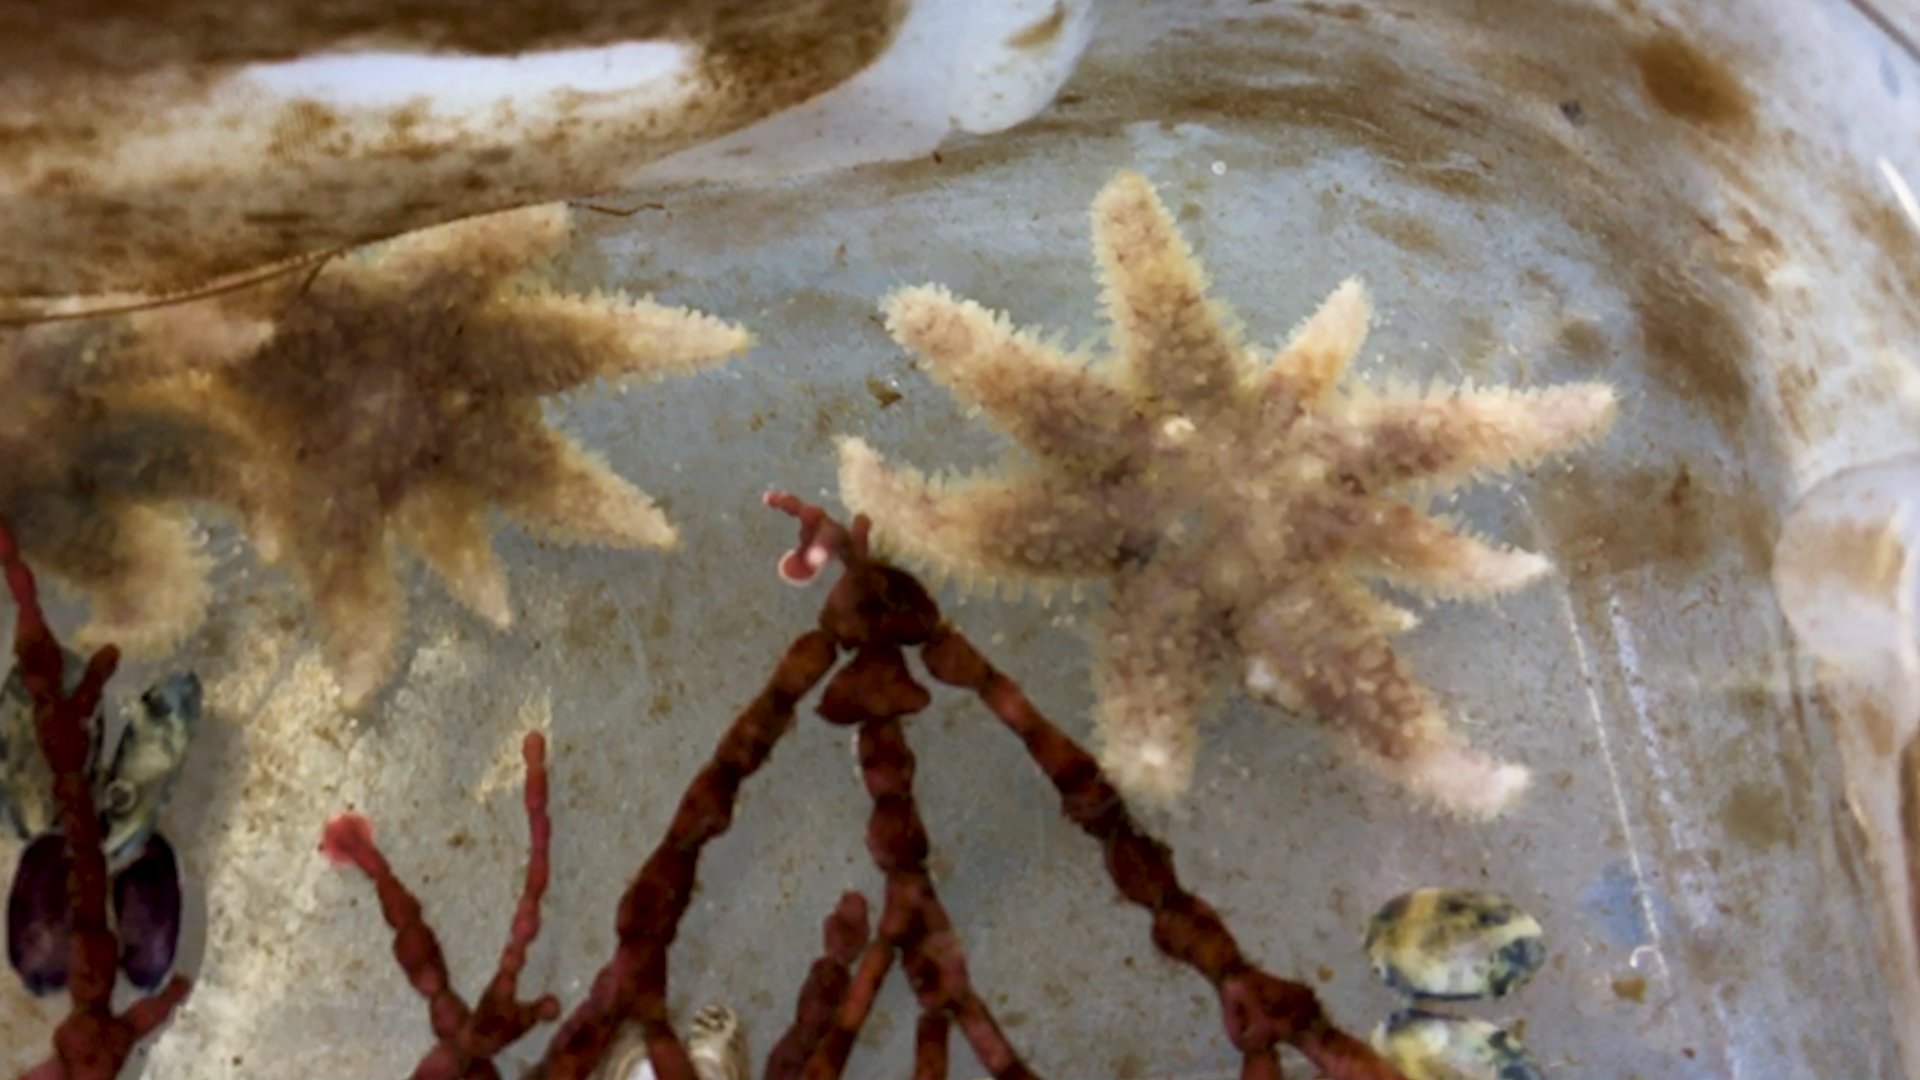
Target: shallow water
column 1534, row 192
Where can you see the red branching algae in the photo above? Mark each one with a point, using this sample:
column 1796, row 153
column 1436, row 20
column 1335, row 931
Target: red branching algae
column 821, row 538
column 878, row 614
column 633, row 985
column 469, row 1037
column 1261, row 1010
column 831, row 1010
column 92, row 1043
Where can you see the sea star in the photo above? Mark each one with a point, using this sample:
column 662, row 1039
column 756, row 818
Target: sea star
column 99, row 460
column 1234, row 506
column 399, row 398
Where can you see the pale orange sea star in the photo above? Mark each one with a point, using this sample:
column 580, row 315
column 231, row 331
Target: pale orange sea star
column 100, row 461
column 1235, row 506
column 399, row 399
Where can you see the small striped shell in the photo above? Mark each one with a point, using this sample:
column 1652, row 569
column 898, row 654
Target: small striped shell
column 147, row 761
column 1430, row 1046
column 1454, row 944
column 716, row 1043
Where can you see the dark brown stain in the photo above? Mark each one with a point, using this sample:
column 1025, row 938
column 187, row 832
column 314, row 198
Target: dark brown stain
column 273, row 218
column 1043, row 31
column 120, row 38
column 1583, row 342
column 1689, row 85
column 592, row 624
column 1630, row 988
column 1896, row 239
column 1755, row 817
column 1697, row 348
column 660, row 703
column 92, row 91
column 301, row 128
column 1365, row 100
column 882, row 393
column 1410, row 233
column 1347, row 12
column 1805, row 416
column 1675, row 517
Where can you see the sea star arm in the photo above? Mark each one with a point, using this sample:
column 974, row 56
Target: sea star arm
column 95, row 455
column 447, row 527
column 182, row 337
column 1450, row 440
column 562, row 491
column 141, row 567
column 1180, row 348
column 984, row 529
column 1157, row 659
column 1049, row 402
column 463, row 262
column 1397, row 543
column 1314, row 638
column 1315, row 359
column 542, row 342
column 341, row 556
column 166, row 340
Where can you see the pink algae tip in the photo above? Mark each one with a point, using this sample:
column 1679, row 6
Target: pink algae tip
column 347, row 840
column 800, row 566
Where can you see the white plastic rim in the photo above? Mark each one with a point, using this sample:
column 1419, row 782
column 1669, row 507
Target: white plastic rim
column 1848, row 579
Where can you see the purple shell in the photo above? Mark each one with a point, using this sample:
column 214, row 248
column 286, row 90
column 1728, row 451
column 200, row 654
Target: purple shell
column 146, row 911
column 39, row 933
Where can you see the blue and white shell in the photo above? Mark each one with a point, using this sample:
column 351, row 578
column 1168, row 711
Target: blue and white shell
column 1455, row 944
column 1433, row 1046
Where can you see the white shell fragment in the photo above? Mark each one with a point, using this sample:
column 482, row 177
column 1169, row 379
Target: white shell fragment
column 1430, row 1046
column 1454, row 944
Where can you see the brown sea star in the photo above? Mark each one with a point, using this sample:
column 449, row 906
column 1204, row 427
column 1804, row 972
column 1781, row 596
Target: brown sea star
column 1234, row 506
column 99, row 459
column 399, row 399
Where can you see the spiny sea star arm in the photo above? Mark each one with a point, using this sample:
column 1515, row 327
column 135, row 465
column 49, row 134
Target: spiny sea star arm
column 983, row 529
column 1313, row 637
column 558, row 489
column 461, row 262
column 141, row 567
column 165, row 340
column 1450, row 440
column 1316, row 358
column 541, row 342
column 1157, row 660
column 1397, row 543
column 341, row 556
column 183, row 337
column 1051, row 403
column 446, row 526
column 1179, row 347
